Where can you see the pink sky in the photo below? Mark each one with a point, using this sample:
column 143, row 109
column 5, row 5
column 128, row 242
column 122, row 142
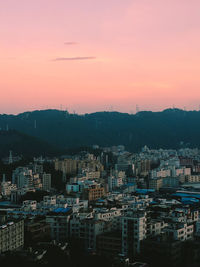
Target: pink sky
column 90, row 55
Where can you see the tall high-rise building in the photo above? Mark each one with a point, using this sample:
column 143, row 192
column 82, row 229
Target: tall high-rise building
column 46, row 181
column 134, row 228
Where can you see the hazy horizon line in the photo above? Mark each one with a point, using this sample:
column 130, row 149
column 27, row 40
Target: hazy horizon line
column 99, row 111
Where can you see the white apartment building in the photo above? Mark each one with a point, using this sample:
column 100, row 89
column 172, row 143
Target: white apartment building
column 170, row 171
column 180, row 231
column 7, row 188
column 156, row 227
column 106, row 214
column 134, row 230
column 184, row 215
column 11, row 236
column 29, row 205
column 192, row 178
column 22, row 177
column 93, row 175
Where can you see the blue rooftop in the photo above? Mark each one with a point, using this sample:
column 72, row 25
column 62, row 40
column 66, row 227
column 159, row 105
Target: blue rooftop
column 153, row 202
column 192, row 200
column 145, row 191
column 63, row 210
column 186, row 195
column 5, row 203
column 131, row 184
column 101, row 200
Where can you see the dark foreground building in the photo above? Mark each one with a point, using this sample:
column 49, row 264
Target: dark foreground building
column 109, row 244
column 162, row 251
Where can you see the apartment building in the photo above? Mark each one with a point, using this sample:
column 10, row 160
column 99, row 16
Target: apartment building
column 180, row 231
column 29, row 205
column 58, row 220
column 93, row 175
column 192, row 178
column 134, row 230
column 89, row 229
column 46, row 181
column 94, row 192
column 114, row 182
column 7, row 188
column 67, row 166
column 155, row 183
column 11, row 236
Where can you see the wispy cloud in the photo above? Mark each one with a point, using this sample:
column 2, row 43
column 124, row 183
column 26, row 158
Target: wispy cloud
column 73, row 58
column 70, row 43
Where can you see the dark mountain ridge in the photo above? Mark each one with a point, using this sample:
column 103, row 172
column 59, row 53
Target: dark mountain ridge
column 23, row 144
column 170, row 128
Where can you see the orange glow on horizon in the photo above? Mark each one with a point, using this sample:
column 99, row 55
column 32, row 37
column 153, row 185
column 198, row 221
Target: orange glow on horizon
column 88, row 57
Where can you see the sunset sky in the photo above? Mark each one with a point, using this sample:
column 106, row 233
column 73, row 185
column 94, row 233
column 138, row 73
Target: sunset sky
column 92, row 55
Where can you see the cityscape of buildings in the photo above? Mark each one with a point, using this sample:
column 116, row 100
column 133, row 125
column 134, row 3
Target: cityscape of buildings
column 99, row 133
column 138, row 208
